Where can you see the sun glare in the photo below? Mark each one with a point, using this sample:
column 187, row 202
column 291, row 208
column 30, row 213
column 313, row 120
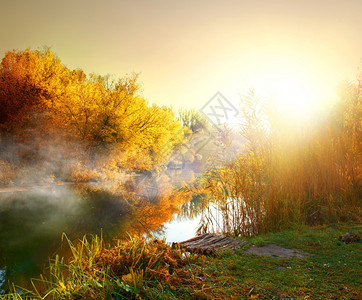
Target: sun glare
column 297, row 92
column 294, row 97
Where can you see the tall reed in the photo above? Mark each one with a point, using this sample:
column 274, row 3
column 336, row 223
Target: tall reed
column 289, row 173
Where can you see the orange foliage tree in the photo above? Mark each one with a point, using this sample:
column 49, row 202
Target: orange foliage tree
column 41, row 99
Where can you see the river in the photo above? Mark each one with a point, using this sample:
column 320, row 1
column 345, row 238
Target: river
column 32, row 222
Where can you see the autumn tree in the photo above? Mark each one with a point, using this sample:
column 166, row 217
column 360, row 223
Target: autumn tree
column 29, row 81
column 193, row 119
column 41, row 97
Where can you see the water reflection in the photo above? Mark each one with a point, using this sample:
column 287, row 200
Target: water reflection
column 30, row 225
column 2, row 279
column 185, row 223
column 32, row 222
column 193, row 208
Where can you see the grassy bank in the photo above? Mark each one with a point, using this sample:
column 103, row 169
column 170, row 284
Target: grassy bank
column 152, row 270
column 332, row 270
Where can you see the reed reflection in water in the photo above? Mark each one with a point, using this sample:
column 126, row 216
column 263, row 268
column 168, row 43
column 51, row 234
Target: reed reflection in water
column 32, row 221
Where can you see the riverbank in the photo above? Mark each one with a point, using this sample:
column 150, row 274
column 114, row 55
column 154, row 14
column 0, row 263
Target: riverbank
column 330, row 269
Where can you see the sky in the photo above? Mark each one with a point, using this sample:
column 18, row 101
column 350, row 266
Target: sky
column 187, row 51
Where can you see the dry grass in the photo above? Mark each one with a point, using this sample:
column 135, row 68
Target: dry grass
column 131, row 269
column 309, row 174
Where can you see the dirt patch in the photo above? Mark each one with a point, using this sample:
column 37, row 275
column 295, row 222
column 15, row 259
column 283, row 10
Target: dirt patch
column 276, row 251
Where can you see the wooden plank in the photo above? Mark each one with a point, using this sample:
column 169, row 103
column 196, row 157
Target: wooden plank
column 208, row 240
column 209, row 243
column 202, row 241
column 194, row 238
column 222, row 242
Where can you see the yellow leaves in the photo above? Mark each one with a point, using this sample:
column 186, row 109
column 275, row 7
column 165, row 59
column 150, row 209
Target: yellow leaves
column 92, row 109
column 134, row 279
column 62, row 285
column 127, row 278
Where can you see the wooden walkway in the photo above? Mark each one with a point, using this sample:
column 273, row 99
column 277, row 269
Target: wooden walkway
column 209, row 243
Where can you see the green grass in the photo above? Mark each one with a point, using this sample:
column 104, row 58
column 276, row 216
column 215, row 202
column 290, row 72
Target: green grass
column 331, row 270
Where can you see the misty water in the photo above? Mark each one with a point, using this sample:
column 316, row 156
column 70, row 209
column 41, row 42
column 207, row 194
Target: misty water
column 32, row 222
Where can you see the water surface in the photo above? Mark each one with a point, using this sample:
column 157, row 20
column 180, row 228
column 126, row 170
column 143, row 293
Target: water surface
column 32, row 223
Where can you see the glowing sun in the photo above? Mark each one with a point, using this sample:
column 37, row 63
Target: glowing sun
column 297, row 92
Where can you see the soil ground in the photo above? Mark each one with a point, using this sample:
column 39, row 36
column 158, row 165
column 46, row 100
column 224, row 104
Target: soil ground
column 275, row 251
